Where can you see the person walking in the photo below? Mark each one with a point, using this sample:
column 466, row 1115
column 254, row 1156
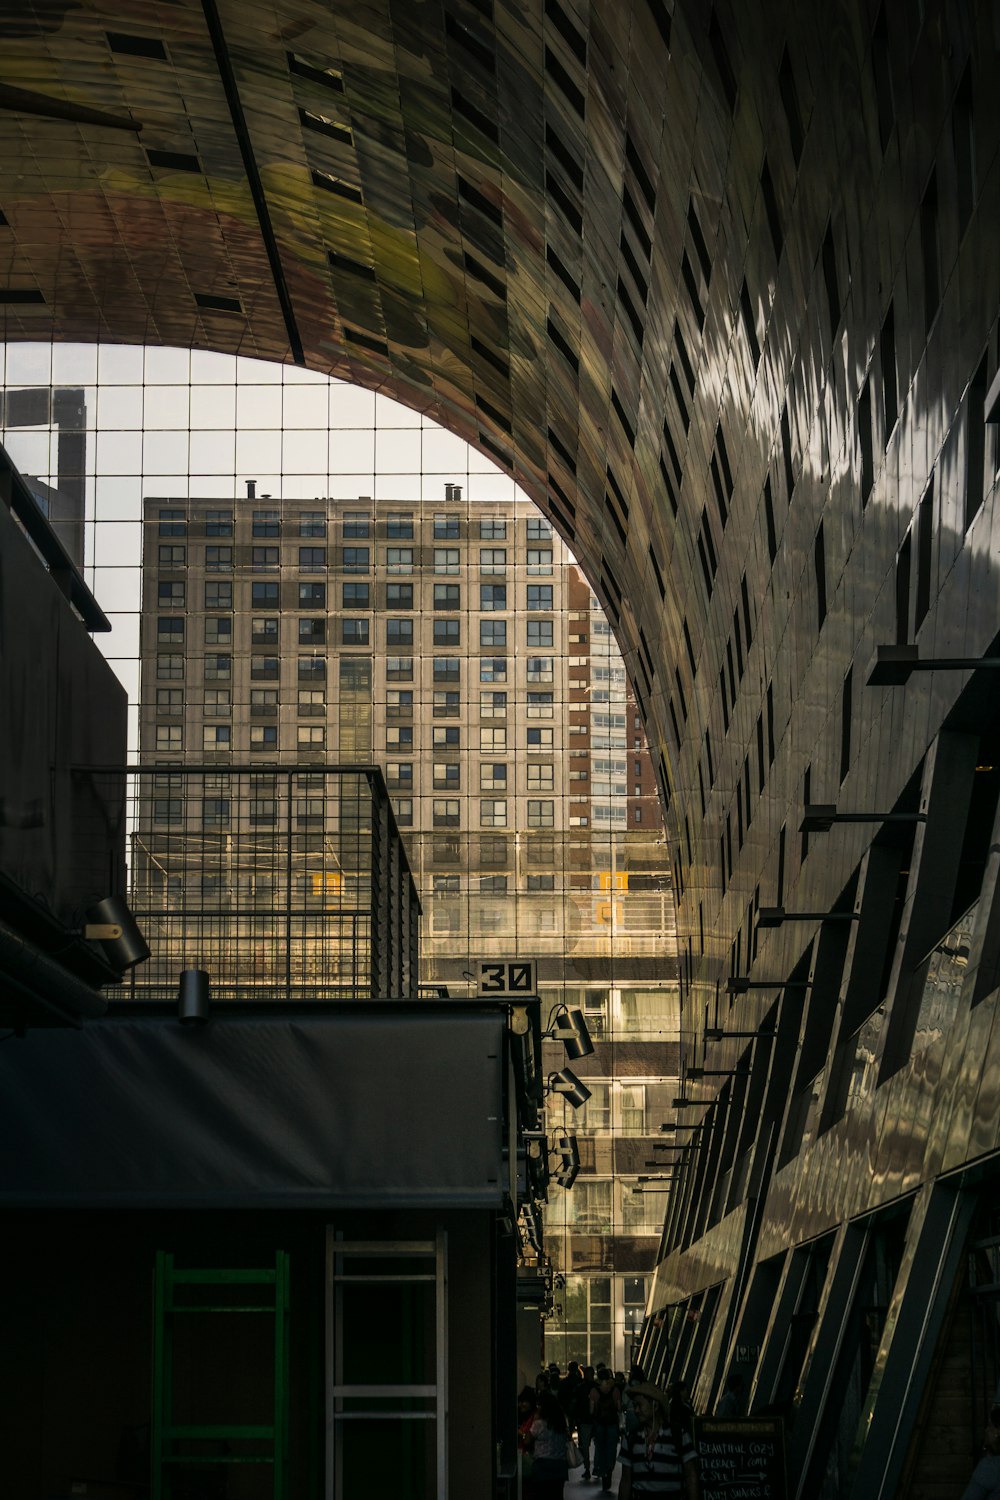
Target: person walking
column 985, row 1481
column 659, row 1457
column 605, row 1416
column 547, row 1444
column 581, row 1415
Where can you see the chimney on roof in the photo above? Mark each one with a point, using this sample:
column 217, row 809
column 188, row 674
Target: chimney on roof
column 251, row 489
column 453, row 492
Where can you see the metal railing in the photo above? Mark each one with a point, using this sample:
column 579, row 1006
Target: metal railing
column 283, row 882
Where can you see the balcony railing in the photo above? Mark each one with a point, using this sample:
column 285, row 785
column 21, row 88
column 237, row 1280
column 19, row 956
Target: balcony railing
column 283, row 882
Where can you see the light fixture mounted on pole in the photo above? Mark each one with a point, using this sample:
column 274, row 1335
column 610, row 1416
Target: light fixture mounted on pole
column 819, row 817
column 892, row 666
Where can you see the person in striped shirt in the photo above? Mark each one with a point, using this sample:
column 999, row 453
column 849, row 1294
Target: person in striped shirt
column 659, row 1457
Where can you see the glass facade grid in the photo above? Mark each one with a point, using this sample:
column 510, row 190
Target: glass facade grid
column 523, row 853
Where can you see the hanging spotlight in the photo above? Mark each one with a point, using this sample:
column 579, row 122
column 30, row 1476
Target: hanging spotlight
column 193, row 997
column 571, row 1029
column 565, row 1082
column 111, row 924
column 568, row 1149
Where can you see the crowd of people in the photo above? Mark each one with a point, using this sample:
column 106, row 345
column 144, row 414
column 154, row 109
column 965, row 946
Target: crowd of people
column 649, row 1431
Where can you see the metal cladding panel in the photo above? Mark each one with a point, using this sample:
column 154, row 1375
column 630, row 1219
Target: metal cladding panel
column 340, row 1111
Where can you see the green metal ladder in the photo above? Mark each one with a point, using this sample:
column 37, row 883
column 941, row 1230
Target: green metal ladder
column 176, row 1444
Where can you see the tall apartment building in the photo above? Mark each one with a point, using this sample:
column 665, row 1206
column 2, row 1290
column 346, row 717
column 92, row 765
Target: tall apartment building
column 457, row 646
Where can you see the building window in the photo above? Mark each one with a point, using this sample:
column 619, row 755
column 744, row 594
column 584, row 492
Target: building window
column 492, row 596
column 356, row 523
column 492, row 776
column 171, row 557
column 493, row 669
column 218, row 630
column 541, row 882
column 492, row 705
column 399, row 703
column 492, row 531
column 170, row 595
column 264, row 668
column 493, row 560
column 447, row 596
column 264, row 703
column 539, row 596
column 354, row 632
column 264, row 630
column 541, row 813
column 215, row 811
column 492, row 812
column 399, row 632
column 399, row 527
column 218, row 559
column 540, row 739
column 312, row 669
column 539, row 668
column 311, row 631
column 313, row 596
column 447, row 632
column 168, row 804
column 399, row 559
column 312, row 559
column 219, row 595
column 218, row 666
column 169, row 737
column 446, row 737
column 355, row 559
column 312, row 523
column 264, row 559
column 399, row 596
column 263, row 736
column 447, row 705
column 447, row 668
column 403, row 809
column 445, row 527
column 399, row 668
column 399, row 773
column 266, row 523
column 169, row 700
column 539, row 705
column 218, row 704
column 492, row 633
column 356, row 596
column 263, row 593
column 492, row 739
column 311, row 703
column 219, row 523
column 539, row 561
column 447, row 776
column 445, row 812
column 399, row 737
column 539, row 633
column 310, row 737
column 446, row 559
column 538, row 529
column 540, row 778
column 492, row 885
column 169, row 668
column 172, row 523
column 216, row 737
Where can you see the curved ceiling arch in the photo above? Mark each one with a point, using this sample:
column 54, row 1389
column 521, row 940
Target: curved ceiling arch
column 659, row 262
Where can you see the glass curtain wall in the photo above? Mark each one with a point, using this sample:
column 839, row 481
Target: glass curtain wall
column 302, row 570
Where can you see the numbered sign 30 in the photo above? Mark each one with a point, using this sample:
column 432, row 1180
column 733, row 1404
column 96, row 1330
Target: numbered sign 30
column 513, row 979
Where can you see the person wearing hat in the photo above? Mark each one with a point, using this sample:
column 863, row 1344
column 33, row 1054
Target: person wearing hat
column 659, row 1456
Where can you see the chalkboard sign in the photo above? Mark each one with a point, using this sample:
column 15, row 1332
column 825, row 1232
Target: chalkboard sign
column 742, row 1458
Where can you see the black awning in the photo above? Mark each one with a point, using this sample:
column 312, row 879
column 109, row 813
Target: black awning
column 360, row 1108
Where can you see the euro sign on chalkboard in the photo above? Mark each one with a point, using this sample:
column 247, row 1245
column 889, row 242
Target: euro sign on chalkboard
column 742, row 1458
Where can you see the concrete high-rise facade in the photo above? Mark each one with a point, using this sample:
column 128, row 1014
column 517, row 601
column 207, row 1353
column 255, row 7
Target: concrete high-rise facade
column 457, row 646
